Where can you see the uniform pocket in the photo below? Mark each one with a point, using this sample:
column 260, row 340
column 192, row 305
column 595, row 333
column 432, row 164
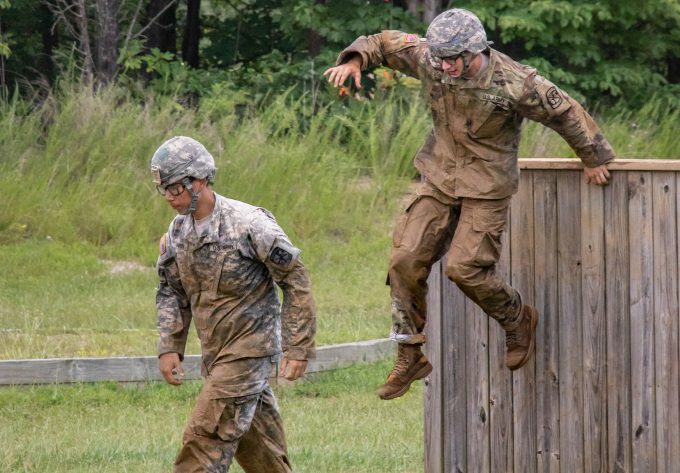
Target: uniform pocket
column 237, row 419
column 489, row 221
column 488, row 122
column 206, row 416
column 490, row 218
column 402, row 221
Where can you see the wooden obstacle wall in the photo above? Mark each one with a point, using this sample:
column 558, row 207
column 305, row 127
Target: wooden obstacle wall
column 601, row 393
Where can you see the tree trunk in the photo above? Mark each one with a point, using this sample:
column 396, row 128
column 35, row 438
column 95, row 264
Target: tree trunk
column 432, row 9
column 673, row 69
column 192, row 34
column 3, row 91
column 107, row 40
column 412, row 6
column 84, row 37
column 315, row 42
column 50, row 41
column 162, row 20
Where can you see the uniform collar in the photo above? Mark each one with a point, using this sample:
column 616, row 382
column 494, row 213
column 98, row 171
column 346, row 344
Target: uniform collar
column 484, row 78
column 213, row 233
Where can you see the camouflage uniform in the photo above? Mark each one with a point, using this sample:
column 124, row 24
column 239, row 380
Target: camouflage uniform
column 469, row 169
column 225, row 281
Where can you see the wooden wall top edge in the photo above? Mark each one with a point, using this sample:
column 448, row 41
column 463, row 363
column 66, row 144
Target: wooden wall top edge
column 617, row 165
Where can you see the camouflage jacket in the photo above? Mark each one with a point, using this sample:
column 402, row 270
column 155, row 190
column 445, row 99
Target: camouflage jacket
column 472, row 149
column 225, row 281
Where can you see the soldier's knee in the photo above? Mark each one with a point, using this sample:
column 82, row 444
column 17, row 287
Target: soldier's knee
column 460, row 272
column 403, row 263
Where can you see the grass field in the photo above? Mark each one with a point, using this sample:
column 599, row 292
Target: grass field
column 79, row 225
column 64, row 300
column 335, row 424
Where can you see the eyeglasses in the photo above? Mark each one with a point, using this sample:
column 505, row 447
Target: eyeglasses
column 451, row 59
column 175, row 189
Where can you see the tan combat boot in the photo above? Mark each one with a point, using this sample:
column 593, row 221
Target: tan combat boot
column 411, row 364
column 520, row 341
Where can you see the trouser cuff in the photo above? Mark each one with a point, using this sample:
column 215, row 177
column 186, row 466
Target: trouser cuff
column 513, row 321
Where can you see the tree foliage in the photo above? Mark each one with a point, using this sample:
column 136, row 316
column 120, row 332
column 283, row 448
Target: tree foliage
column 602, row 52
column 609, row 49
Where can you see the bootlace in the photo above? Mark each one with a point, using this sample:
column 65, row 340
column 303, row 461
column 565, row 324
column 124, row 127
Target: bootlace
column 516, row 337
column 402, row 363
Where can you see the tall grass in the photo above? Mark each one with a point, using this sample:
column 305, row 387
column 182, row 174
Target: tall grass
column 646, row 133
column 80, row 186
column 77, row 191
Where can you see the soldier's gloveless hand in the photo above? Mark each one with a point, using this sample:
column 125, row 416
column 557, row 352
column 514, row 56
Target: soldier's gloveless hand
column 339, row 74
column 597, row 175
column 292, row 369
column 171, row 368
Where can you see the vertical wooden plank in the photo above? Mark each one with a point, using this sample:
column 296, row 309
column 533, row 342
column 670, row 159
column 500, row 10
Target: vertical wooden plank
column 641, row 432
column 522, row 274
column 433, row 432
column 477, row 384
column 545, row 297
column 500, row 384
column 570, row 321
column 454, row 383
column 594, row 329
column 666, row 321
column 618, row 324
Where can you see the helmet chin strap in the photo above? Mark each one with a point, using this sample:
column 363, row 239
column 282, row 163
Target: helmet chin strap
column 466, row 66
column 194, row 197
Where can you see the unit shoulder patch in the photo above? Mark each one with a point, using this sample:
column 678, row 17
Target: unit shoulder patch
column 410, row 38
column 280, row 257
column 553, row 97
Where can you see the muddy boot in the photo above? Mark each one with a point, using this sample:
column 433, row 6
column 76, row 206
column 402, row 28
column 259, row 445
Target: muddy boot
column 520, row 341
column 411, row 364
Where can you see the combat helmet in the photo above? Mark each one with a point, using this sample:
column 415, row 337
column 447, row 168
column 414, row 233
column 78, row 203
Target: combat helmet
column 455, row 31
column 182, row 159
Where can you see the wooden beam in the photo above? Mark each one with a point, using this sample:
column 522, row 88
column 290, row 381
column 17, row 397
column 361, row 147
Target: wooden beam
column 145, row 368
column 617, row 165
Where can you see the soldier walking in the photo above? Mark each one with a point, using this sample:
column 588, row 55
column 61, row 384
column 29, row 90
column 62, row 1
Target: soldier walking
column 478, row 98
column 219, row 264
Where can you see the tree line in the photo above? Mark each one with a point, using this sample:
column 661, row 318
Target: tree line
column 601, row 51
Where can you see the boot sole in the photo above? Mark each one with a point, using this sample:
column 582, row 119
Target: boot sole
column 532, row 345
column 424, row 371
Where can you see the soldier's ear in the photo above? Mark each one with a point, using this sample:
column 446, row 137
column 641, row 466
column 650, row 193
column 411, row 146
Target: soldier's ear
column 200, row 184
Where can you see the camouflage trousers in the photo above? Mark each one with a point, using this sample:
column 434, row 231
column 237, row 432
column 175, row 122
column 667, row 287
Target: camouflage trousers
column 248, row 428
column 468, row 232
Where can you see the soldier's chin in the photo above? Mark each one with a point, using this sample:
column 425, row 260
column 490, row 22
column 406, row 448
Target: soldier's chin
column 181, row 210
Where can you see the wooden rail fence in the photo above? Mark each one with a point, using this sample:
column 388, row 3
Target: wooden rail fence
column 602, row 392
column 145, row 368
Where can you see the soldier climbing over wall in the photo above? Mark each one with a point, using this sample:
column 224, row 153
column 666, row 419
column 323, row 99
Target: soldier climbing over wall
column 468, row 163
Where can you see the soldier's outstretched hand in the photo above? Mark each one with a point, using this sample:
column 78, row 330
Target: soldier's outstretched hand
column 597, row 175
column 171, row 368
column 339, row 74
